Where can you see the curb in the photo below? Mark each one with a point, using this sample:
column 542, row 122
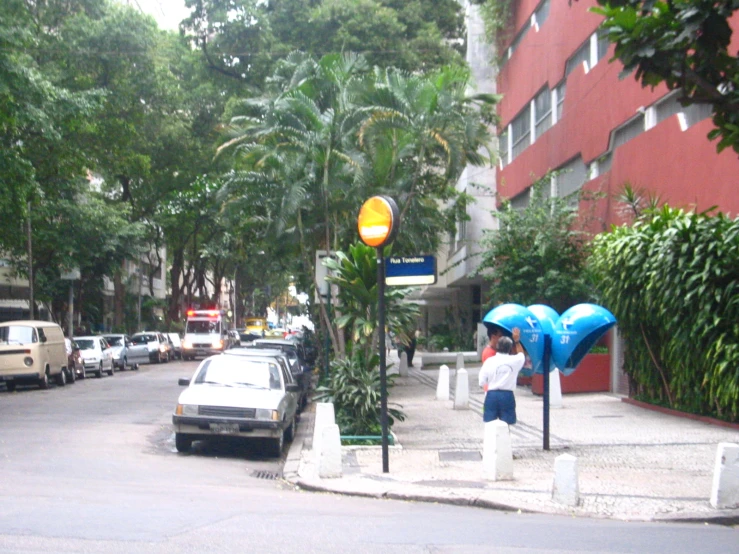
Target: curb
column 678, row 413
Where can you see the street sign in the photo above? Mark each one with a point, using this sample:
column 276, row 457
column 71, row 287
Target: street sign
column 410, row 270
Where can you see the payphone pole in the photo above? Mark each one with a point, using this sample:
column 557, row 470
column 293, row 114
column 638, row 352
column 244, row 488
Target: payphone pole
column 545, row 369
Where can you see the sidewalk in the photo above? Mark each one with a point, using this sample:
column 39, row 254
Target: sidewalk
column 634, row 463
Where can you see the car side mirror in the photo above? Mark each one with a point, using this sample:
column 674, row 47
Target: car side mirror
column 183, row 382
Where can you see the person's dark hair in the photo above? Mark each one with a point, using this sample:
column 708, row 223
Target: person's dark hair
column 494, row 330
column 505, row 345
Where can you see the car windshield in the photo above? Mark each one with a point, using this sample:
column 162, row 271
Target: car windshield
column 85, row 344
column 235, row 372
column 115, row 341
column 17, row 334
column 143, row 339
column 203, row 326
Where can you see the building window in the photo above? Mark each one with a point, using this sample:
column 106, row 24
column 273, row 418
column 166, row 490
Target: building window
column 581, row 56
column 541, row 14
column 559, row 93
column 503, row 148
column 543, row 111
column 695, row 113
column 517, row 40
column 603, row 44
column 570, row 178
column 521, row 201
column 628, row 131
column 521, row 132
column 667, row 107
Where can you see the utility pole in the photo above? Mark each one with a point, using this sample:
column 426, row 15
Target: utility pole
column 31, row 310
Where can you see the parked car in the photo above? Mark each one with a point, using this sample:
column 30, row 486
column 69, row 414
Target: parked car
column 175, row 342
column 156, row 343
column 32, row 352
column 97, row 355
column 284, row 358
column 239, row 396
column 75, row 364
column 124, row 355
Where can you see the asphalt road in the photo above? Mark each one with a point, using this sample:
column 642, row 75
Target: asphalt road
column 91, row 467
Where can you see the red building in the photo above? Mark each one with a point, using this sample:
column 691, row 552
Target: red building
column 564, row 107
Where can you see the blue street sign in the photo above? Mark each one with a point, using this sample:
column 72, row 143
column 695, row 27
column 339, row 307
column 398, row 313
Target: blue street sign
column 509, row 316
column 410, row 270
column 576, row 332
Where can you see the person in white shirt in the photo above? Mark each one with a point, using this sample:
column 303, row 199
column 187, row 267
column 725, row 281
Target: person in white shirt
column 499, row 374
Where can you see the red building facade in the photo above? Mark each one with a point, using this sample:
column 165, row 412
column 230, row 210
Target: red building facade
column 564, row 107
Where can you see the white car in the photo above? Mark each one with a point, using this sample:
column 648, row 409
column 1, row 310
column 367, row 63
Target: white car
column 97, row 355
column 237, row 396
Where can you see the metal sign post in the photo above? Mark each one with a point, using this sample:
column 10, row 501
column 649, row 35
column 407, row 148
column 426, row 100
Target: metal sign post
column 377, row 225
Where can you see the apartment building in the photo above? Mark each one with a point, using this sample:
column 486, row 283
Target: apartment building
column 566, row 108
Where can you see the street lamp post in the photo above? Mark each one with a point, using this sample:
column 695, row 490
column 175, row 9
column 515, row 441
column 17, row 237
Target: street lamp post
column 378, row 224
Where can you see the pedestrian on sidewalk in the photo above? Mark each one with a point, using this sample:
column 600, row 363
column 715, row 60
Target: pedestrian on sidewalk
column 494, row 333
column 499, row 374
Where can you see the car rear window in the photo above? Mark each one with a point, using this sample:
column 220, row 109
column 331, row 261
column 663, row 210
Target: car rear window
column 115, row 341
column 86, row 344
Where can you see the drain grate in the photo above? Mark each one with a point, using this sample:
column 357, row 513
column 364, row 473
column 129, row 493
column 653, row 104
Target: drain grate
column 268, row 475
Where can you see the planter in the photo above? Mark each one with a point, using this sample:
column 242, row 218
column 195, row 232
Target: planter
column 592, row 375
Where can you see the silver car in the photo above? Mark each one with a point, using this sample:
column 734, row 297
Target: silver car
column 237, row 396
column 125, row 354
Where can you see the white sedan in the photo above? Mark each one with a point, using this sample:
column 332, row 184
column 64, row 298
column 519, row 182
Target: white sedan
column 246, row 397
column 97, row 356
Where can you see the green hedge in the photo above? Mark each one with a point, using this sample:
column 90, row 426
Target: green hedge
column 672, row 281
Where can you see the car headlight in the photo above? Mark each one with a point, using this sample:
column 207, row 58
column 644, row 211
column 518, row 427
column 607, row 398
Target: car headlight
column 217, row 344
column 28, row 361
column 162, row 348
column 272, row 415
column 187, row 409
column 186, row 344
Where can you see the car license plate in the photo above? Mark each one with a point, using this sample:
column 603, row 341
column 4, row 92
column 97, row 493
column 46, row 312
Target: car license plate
column 224, row 428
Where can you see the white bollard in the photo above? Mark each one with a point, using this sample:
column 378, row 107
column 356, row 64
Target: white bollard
column 725, row 488
column 329, row 462
column 442, row 385
column 460, row 361
column 566, row 488
column 324, row 417
column 497, row 454
column 462, row 390
column 555, row 389
column 403, row 368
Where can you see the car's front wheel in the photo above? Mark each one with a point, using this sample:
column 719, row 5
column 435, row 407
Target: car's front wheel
column 71, row 375
column 276, row 445
column 43, row 382
column 183, row 443
column 99, row 372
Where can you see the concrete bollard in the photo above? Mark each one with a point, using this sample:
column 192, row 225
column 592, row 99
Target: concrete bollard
column 324, row 417
column 462, row 390
column 725, row 488
column 442, row 385
column 497, row 454
column 555, row 389
column 403, row 368
column 460, row 361
column 329, row 462
column 566, row 488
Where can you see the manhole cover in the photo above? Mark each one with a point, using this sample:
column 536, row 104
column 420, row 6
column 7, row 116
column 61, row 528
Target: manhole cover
column 269, row 475
column 460, row 456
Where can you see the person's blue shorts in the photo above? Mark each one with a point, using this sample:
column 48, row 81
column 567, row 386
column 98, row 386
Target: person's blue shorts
column 500, row 404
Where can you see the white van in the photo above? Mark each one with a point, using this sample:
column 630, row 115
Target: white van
column 32, row 352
